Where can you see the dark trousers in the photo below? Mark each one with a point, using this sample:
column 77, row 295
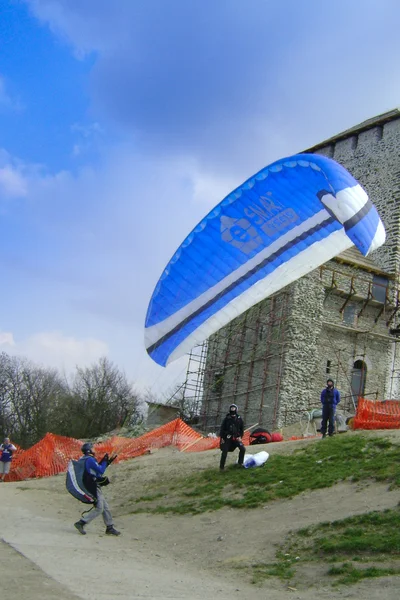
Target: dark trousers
column 328, row 414
column 230, row 446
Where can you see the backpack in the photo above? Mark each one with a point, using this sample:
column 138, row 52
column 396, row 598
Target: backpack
column 260, row 436
column 76, row 482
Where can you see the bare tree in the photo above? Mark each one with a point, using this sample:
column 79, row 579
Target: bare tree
column 36, row 400
column 5, row 413
column 101, row 399
column 27, row 396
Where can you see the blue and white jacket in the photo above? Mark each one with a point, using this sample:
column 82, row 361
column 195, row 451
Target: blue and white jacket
column 94, row 468
column 7, row 452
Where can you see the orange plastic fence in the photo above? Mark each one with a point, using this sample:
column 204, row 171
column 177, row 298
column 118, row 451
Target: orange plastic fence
column 374, row 414
column 51, row 455
column 209, row 443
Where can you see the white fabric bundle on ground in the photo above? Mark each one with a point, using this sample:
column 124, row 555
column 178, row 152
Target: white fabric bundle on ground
column 255, row 460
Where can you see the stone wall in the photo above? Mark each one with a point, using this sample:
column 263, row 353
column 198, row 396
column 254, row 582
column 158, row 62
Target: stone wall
column 353, row 329
column 373, row 158
column 301, row 357
column 160, row 414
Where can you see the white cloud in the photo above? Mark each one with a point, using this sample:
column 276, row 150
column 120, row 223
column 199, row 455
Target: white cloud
column 219, row 88
column 19, row 178
column 86, row 25
column 6, row 338
column 209, row 189
column 99, row 286
column 12, row 183
column 16, row 175
column 54, row 349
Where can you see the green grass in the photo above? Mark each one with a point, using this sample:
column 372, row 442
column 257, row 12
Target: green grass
column 347, row 573
column 282, row 568
column 347, row 550
column 369, row 538
column 149, row 497
column 360, row 538
column 320, row 465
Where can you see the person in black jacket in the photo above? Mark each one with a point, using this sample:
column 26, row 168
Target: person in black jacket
column 231, row 433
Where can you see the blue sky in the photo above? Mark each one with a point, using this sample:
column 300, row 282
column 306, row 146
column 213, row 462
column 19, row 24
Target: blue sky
column 122, row 123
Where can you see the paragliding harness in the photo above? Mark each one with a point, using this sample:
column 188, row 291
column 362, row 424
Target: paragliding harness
column 78, row 484
column 260, row 436
column 81, row 484
column 226, row 444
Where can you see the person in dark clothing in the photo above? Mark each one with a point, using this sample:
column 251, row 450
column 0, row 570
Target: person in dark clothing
column 330, row 398
column 231, row 433
column 94, row 479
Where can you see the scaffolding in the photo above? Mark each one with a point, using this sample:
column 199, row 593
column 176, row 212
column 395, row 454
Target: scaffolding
column 240, row 360
column 243, row 362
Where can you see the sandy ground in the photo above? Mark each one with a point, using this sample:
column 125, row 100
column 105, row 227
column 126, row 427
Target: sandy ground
column 157, row 557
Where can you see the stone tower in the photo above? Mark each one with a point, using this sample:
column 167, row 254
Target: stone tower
column 340, row 321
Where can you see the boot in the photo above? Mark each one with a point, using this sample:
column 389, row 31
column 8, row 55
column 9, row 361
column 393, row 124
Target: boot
column 79, row 525
column 112, row 531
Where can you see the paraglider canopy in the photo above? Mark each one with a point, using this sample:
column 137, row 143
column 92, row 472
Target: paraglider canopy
column 282, row 223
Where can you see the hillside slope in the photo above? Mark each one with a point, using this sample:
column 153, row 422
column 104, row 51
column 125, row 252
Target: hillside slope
column 166, row 556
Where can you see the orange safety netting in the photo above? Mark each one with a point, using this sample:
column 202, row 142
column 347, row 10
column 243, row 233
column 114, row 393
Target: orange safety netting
column 374, row 414
column 51, row 455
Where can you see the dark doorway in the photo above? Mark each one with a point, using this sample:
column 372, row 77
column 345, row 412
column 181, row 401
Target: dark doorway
column 358, row 380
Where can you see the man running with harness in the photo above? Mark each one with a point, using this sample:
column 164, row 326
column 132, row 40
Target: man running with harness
column 94, row 479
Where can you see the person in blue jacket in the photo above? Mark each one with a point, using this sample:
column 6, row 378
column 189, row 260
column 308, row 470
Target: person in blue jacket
column 94, row 479
column 330, row 398
column 7, row 450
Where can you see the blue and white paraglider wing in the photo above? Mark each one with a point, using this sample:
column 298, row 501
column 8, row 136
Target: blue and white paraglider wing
column 287, row 220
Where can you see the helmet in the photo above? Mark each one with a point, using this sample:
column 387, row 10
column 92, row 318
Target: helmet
column 233, row 408
column 87, row 448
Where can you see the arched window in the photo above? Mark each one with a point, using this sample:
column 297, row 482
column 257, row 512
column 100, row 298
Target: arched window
column 358, row 380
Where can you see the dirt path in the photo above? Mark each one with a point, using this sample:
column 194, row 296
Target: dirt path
column 166, row 557
column 92, row 566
